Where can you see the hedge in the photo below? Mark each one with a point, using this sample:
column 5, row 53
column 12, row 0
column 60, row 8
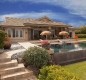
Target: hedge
column 81, row 35
column 55, row 72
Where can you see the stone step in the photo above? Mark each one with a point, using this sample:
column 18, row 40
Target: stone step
column 12, row 63
column 2, row 60
column 17, row 76
column 13, row 70
column 32, row 78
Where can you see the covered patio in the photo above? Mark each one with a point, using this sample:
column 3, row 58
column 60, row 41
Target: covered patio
column 35, row 30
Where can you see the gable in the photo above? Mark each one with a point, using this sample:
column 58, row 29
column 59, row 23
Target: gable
column 45, row 19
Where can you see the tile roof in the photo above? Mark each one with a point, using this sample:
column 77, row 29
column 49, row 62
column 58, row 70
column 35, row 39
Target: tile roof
column 16, row 21
column 21, row 22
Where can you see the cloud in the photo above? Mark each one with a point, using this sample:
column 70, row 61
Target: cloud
column 77, row 23
column 57, row 16
column 77, row 7
column 29, row 15
column 53, row 15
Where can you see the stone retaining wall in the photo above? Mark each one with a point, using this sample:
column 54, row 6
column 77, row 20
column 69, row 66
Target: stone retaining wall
column 69, row 57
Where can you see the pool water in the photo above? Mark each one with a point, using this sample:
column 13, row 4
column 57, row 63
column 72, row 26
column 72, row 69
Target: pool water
column 82, row 44
column 68, row 47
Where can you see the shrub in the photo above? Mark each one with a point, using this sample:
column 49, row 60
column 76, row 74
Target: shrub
column 77, row 32
column 36, row 57
column 81, row 30
column 2, row 37
column 55, row 73
column 7, row 43
column 81, row 35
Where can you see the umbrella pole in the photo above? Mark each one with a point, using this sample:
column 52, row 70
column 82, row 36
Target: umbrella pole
column 46, row 37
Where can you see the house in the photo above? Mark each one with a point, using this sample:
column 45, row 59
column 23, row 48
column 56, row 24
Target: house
column 29, row 29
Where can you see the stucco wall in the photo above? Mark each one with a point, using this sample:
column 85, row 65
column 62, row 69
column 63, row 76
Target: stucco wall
column 18, row 39
column 73, row 32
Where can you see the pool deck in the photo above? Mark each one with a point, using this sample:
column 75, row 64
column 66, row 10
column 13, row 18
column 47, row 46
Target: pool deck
column 10, row 52
column 58, row 41
column 29, row 44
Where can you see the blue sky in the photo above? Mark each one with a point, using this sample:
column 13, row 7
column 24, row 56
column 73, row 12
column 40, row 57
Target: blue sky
column 71, row 12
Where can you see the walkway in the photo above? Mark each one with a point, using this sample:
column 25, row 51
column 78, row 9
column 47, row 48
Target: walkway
column 27, row 45
column 19, row 47
column 13, row 73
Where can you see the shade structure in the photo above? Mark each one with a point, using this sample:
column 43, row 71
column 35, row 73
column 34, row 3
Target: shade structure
column 64, row 33
column 46, row 33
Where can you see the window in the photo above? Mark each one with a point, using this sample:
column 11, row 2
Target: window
column 13, row 30
column 9, row 33
column 21, row 33
column 15, row 33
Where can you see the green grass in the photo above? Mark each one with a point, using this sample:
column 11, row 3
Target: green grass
column 78, row 69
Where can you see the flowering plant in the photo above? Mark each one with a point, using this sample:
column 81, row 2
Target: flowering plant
column 45, row 44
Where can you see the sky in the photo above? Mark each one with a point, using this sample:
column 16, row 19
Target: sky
column 72, row 12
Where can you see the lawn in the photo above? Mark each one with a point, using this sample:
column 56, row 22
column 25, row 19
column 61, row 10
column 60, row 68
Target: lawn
column 78, row 69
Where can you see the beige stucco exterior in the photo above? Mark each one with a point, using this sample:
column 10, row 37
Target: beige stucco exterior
column 72, row 31
column 19, row 39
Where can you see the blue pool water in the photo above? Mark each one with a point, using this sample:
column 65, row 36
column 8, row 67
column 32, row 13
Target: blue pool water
column 67, row 47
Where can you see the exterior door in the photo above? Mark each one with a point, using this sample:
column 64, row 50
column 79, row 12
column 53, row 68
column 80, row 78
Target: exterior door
column 36, row 34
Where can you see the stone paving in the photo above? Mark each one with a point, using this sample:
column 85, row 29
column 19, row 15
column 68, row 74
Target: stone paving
column 17, row 50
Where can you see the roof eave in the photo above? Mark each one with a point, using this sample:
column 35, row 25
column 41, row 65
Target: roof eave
column 31, row 24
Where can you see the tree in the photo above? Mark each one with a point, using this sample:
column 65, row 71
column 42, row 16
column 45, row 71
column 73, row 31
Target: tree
column 83, row 29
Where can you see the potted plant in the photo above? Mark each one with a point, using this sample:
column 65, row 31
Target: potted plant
column 45, row 44
column 7, row 43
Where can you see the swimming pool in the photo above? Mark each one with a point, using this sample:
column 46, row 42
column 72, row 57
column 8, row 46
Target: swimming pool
column 68, row 47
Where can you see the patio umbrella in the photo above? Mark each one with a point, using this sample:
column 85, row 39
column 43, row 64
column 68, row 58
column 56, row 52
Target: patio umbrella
column 64, row 33
column 46, row 33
